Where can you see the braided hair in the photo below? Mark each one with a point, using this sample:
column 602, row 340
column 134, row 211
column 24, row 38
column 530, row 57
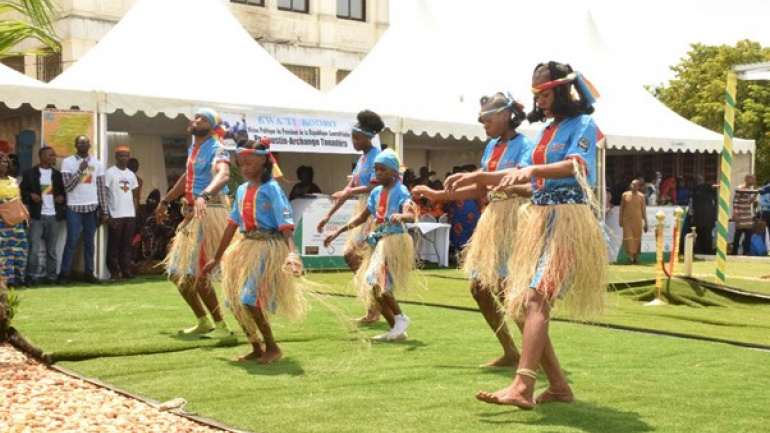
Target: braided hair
column 267, row 172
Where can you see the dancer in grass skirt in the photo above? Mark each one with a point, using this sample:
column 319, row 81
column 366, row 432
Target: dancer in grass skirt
column 389, row 256
column 485, row 258
column 258, row 270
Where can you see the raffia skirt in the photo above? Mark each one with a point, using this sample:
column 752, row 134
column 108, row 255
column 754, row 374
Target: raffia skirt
column 356, row 240
column 486, row 257
column 195, row 243
column 385, row 267
column 252, row 274
column 560, row 251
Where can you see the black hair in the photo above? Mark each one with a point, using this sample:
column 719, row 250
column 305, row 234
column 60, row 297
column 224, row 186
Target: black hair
column 43, row 149
column 267, row 174
column 305, row 169
column 370, row 121
column 500, row 100
column 563, row 103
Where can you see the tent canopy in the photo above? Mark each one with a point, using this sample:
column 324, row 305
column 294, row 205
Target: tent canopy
column 449, row 55
column 17, row 88
column 172, row 56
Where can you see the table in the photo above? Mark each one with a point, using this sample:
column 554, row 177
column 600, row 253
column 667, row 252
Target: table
column 432, row 243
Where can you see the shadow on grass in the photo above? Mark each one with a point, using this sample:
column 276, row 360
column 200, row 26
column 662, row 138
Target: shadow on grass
column 284, row 366
column 584, row 416
column 410, row 344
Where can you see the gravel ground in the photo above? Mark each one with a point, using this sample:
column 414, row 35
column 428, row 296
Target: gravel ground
column 35, row 398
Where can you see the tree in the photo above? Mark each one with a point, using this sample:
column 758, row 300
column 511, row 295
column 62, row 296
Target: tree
column 697, row 93
column 25, row 19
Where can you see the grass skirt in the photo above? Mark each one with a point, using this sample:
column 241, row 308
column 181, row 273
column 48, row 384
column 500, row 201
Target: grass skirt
column 486, row 256
column 386, row 266
column 195, row 243
column 262, row 261
column 356, row 240
column 560, row 251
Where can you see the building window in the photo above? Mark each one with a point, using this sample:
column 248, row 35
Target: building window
column 14, row 62
column 48, row 66
column 307, row 74
column 351, row 9
column 341, row 74
column 293, row 5
column 250, row 2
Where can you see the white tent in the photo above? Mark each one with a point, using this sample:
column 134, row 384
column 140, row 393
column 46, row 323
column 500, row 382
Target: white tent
column 17, row 89
column 145, row 63
column 449, row 56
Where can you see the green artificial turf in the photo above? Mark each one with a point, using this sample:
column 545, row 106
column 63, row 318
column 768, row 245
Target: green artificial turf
column 333, row 379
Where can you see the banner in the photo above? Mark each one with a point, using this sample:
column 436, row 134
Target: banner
column 295, row 133
column 310, row 244
column 60, row 128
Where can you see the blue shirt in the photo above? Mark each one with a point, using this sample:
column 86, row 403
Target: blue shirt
column 572, row 138
column 512, row 155
column 363, row 174
column 383, row 203
column 764, row 198
column 199, row 168
column 263, row 207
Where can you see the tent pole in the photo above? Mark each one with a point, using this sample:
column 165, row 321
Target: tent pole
column 603, row 180
column 101, row 235
column 724, row 178
column 399, row 140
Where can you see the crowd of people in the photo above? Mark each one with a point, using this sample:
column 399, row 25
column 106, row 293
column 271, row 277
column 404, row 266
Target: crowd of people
column 77, row 198
column 749, row 211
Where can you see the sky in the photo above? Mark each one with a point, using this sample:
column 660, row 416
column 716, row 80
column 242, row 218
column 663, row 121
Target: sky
column 645, row 36
column 651, row 35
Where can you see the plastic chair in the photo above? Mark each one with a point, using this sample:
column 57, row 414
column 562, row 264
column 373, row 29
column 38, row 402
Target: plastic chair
column 444, row 218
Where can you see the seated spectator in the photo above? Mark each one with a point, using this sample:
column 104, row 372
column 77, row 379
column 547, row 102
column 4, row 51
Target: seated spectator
column 305, row 185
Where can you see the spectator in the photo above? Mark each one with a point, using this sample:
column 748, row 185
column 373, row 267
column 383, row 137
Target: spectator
column 651, row 189
column 744, row 201
column 633, row 218
column 83, row 177
column 133, row 165
column 122, row 201
column 13, row 238
column 704, row 215
column 764, row 204
column 305, row 185
column 42, row 190
column 668, row 192
column 683, row 191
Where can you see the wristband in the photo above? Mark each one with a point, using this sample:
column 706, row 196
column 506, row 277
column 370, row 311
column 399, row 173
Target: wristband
column 206, row 195
column 349, row 191
column 164, row 203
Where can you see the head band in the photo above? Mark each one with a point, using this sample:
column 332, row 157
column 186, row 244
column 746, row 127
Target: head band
column 363, row 132
column 389, row 159
column 509, row 106
column 277, row 173
column 585, row 87
column 122, row 149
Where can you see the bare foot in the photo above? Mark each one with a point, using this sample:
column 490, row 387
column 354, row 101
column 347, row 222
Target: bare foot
column 369, row 319
column 550, row 396
column 270, row 357
column 503, row 361
column 506, row 396
column 251, row 356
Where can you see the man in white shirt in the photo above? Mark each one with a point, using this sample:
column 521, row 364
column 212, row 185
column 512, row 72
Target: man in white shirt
column 86, row 195
column 122, row 188
column 42, row 190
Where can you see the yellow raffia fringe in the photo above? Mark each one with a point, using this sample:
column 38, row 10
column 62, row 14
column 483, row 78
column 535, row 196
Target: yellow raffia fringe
column 185, row 247
column 354, row 242
column 395, row 251
column 262, row 259
column 578, row 256
column 492, row 243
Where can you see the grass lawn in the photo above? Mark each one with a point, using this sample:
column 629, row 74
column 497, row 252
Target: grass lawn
column 332, row 379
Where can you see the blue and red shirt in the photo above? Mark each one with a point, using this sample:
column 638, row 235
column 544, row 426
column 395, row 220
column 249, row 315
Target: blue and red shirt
column 382, row 203
column 264, row 207
column 201, row 161
column 572, row 138
column 363, row 174
column 502, row 155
